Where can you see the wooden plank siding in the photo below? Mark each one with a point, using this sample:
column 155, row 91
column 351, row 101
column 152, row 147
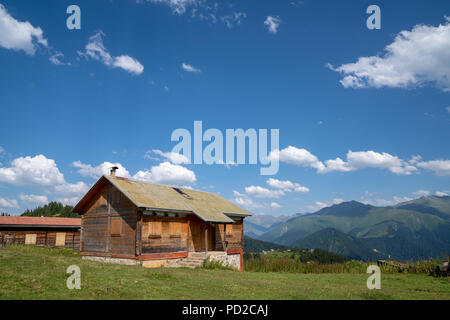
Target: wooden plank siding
column 109, row 224
column 164, row 234
column 230, row 236
column 44, row 237
column 234, row 235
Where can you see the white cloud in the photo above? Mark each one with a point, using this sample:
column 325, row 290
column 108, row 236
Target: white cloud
column 129, row 64
column 178, row 6
column 272, row 24
column 167, row 173
column 448, row 109
column 173, row 157
column 261, row 192
column 275, row 205
column 415, row 58
column 34, row 171
column 56, row 59
column 40, row 172
column 360, row 160
column 86, row 170
column 370, row 159
column 233, row 18
column 70, row 201
column 8, row 203
column 211, row 12
column 440, row 167
column 188, row 68
column 287, row 185
column 17, row 35
column 1, row 149
column 296, row 156
column 96, row 50
column 238, row 194
column 247, row 203
column 421, row 193
column 164, row 173
column 32, row 198
column 79, row 188
column 441, row 193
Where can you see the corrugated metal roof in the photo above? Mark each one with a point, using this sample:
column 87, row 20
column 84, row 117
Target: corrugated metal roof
column 208, row 206
column 40, row 221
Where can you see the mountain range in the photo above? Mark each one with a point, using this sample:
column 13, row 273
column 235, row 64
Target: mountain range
column 412, row 230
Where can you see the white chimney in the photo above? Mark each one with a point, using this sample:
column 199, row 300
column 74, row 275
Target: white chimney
column 113, row 171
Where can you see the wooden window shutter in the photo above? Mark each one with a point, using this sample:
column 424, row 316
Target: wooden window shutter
column 175, row 228
column 115, row 226
column 60, row 239
column 30, row 238
column 155, row 229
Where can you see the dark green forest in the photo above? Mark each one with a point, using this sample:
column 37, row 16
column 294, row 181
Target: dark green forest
column 51, row 209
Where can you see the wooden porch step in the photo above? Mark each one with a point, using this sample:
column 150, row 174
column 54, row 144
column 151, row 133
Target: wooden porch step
column 197, row 255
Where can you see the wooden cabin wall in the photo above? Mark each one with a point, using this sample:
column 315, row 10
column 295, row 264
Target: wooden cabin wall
column 43, row 237
column 233, row 233
column 109, row 224
column 164, row 234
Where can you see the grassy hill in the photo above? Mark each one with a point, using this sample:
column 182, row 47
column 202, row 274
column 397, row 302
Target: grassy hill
column 254, row 230
column 40, row 273
column 253, row 245
column 333, row 240
column 412, row 230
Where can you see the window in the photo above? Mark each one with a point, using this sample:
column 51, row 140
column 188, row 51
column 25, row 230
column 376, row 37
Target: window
column 60, row 239
column 115, row 227
column 184, row 194
column 30, row 238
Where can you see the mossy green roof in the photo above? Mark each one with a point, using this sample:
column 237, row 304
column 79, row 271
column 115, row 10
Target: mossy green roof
column 208, row 206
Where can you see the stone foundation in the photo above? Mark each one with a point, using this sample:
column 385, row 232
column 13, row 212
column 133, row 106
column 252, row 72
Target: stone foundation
column 231, row 260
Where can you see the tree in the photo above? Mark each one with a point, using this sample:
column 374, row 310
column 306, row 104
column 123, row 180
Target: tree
column 52, row 209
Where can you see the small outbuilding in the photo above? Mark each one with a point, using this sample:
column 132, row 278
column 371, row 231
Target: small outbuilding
column 40, row 231
column 133, row 222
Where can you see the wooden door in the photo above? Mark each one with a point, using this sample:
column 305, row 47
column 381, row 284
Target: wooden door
column 197, row 232
column 211, row 237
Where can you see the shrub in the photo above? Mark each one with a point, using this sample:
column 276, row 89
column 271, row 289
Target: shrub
column 215, row 265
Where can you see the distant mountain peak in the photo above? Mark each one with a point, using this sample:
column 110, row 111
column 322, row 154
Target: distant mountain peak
column 348, row 208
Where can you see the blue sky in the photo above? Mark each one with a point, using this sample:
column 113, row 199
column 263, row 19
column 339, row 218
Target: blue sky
column 75, row 101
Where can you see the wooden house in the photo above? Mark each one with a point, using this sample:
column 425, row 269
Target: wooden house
column 40, row 231
column 134, row 222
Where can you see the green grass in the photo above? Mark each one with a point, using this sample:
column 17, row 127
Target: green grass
column 283, row 261
column 39, row 273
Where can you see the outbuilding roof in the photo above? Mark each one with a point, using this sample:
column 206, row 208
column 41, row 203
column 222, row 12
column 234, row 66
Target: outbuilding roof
column 154, row 197
column 40, row 221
